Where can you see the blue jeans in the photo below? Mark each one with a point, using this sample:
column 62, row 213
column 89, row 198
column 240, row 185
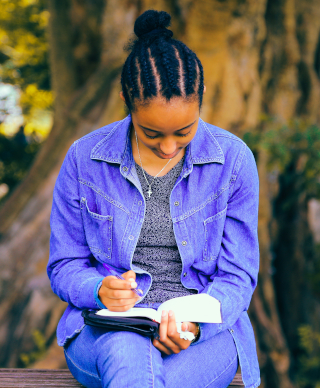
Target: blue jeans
column 98, row 358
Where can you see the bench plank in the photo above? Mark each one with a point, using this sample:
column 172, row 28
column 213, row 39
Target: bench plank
column 42, row 378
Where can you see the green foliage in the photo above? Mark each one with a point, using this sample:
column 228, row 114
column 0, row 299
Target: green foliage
column 40, row 345
column 295, row 146
column 309, row 362
column 24, row 56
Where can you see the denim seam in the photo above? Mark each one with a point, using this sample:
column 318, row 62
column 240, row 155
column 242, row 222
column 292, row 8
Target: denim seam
column 81, row 287
column 228, row 137
column 101, row 142
column 100, row 192
column 236, row 169
column 203, row 205
column 82, row 370
column 150, row 353
column 92, row 135
column 223, row 371
column 216, row 142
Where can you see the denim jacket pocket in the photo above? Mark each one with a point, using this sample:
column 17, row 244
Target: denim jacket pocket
column 213, row 227
column 98, row 230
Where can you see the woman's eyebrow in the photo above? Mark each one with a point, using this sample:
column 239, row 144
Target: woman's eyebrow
column 181, row 129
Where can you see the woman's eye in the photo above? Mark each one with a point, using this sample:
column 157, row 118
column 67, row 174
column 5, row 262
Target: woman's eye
column 151, row 137
column 184, row 134
column 180, row 135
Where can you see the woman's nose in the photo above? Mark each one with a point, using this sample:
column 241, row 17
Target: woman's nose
column 168, row 146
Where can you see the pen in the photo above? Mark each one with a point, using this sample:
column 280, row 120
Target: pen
column 113, row 273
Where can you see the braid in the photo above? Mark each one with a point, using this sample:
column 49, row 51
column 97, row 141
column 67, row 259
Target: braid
column 132, row 78
column 159, row 65
column 171, row 64
column 201, row 83
column 192, row 73
column 146, row 75
column 124, row 84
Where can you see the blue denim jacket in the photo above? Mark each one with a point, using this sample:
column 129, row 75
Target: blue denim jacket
column 98, row 210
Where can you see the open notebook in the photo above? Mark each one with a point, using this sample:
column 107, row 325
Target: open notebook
column 190, row 308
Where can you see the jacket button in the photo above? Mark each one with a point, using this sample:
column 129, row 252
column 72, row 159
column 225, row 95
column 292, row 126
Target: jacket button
column 125, row 169
column 176, row 203
column 131, row 237
column 231, row 330
column 184, row 243
column 140, row 203
column 185, row 274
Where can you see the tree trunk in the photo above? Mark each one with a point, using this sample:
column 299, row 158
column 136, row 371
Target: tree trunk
column 257, row 56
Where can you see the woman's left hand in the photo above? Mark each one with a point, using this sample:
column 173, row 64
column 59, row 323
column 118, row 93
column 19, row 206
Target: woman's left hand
column 170, row 341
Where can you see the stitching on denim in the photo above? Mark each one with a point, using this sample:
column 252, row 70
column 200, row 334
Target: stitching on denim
column 125, row 149
column 237, row 168
column 82, row 370
column 216, row 216
column 228, row 137
column 101, row 142
column 100, row 192
column 81, row 286
column 98, row 216
column 222, row 372
column 89, row 137
column 150, row 353
column 215, row 140
column 200, row 207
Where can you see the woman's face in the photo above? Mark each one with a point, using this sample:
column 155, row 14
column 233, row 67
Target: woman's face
column 164, row 127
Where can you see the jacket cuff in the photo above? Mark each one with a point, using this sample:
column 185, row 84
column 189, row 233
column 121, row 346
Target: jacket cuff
column 96, row 295
column 86, row 295
column 207, row 331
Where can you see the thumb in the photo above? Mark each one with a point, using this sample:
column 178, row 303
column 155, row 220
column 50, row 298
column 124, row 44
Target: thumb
column 185, row 326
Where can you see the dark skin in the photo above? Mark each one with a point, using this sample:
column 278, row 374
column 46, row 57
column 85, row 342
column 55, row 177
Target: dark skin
column 172, row 125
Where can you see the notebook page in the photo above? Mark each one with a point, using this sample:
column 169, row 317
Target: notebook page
column 194, row 308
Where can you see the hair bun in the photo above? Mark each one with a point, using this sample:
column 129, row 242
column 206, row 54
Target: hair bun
column 154, row 22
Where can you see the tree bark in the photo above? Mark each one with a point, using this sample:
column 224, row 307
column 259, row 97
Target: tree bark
column 257, row 56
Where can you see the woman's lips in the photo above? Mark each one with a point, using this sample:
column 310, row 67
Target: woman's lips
column 168, row 156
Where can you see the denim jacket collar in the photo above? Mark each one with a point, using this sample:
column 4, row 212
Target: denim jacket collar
column 116, row 148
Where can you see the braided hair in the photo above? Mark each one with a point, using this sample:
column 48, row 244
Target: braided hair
column 158, row 65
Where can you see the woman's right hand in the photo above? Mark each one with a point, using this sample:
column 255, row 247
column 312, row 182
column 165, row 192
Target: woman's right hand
column 116, row 294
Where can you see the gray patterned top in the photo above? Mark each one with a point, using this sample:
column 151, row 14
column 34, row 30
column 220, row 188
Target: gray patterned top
column 156, row 250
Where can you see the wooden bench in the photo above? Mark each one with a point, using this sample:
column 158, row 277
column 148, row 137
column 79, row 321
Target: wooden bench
column 42, row 378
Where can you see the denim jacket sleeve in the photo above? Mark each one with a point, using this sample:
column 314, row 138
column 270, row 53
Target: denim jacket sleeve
column 238, row 261
column 72, row 276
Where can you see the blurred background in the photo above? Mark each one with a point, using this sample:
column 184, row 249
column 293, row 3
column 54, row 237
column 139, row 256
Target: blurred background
column 60, row 63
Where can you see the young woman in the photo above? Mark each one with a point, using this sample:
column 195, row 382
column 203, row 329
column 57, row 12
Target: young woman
column 170, row 202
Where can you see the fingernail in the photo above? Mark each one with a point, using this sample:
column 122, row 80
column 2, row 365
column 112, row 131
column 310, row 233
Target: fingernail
column 186, row 328
column 170, row 313
column 164, row 313
column 133, row 285
column 131, row 280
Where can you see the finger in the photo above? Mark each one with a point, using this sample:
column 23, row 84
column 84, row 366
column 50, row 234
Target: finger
column 120, row 294
column 121, row 302
column 129, row 275
column 163, row 334
column 163, row 326
column 161, row 347
column 173, row 335
column 118, row 284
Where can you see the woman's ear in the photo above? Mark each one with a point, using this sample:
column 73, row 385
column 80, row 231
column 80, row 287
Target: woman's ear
column 122, row 96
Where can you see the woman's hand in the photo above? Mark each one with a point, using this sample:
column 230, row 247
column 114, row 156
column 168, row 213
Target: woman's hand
column 170, row 341
column 116, row 294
